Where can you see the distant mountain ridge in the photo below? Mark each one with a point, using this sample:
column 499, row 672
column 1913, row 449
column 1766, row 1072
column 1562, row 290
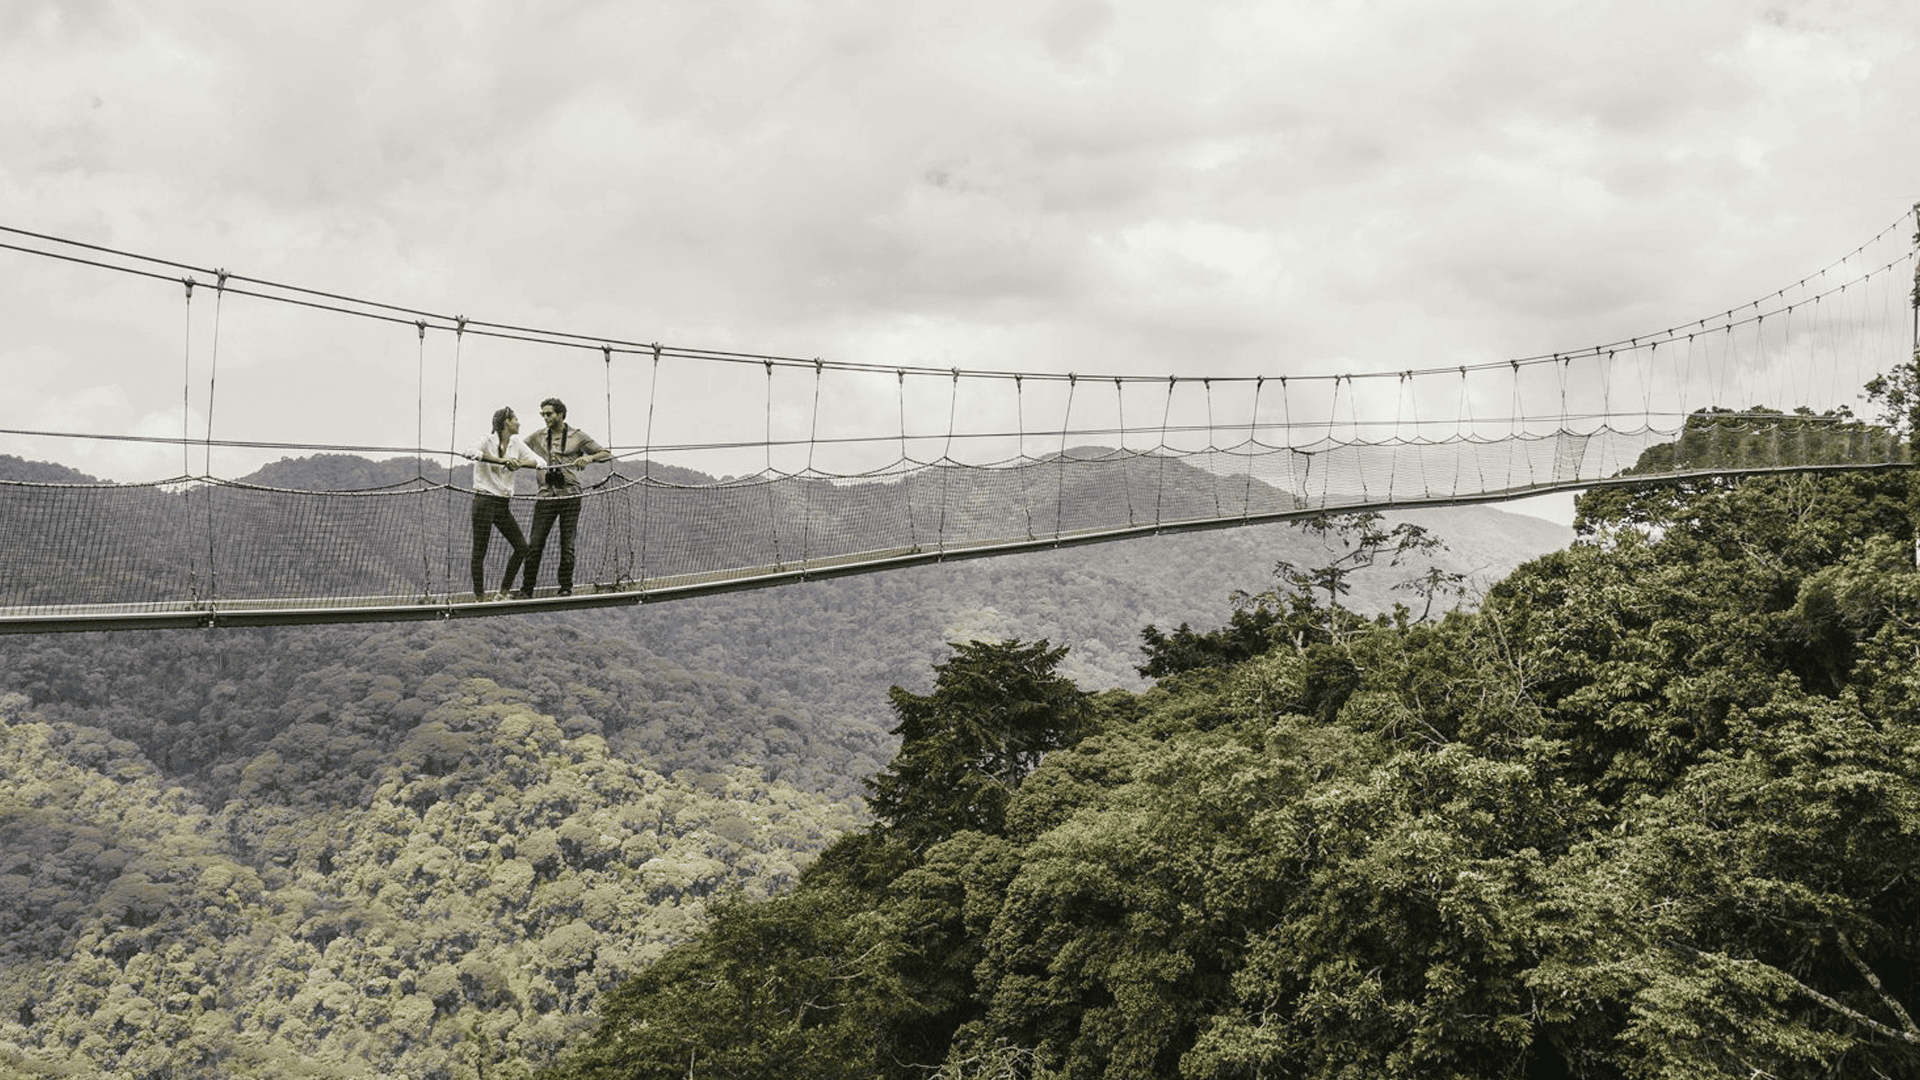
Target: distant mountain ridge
column 41, row 472
column 350, row 472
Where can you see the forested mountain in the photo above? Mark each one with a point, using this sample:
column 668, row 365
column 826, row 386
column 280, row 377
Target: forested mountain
column 429, row 849
column 372, row 861
column 1652, row 810
column 41, row 472
column 1649, row 809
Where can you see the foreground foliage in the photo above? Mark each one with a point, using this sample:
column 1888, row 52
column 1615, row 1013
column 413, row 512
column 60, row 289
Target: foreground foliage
column 1650, row 812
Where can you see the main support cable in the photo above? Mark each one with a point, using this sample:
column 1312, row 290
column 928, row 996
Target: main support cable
column 349, row 305
column 336, row 549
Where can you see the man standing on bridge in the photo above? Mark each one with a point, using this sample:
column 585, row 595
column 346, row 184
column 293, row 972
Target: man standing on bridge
column 565, row 449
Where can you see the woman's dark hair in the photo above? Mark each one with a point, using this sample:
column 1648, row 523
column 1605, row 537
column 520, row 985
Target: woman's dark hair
column 500, row 418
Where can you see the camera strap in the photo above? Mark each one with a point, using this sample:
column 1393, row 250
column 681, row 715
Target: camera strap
column 557, row 478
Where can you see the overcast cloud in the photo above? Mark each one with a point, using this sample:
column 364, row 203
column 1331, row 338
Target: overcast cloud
column 1129, row 187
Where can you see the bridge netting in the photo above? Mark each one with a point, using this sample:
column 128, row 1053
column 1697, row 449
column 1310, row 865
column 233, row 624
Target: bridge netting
column 738, row 470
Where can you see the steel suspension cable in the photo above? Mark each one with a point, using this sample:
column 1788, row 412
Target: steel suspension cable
column 453, row 437
column 453, row 420
column 946, row 455
column 1472, row 438
column 1823, row 357
column 1020, row 458
column 905, row 464
column 1126, row 462
column 1286, row 422
column 419, row 457
column 807, row 479
column 1606, row 387
column 1213, row 474
column 1399, row 414
column 1644, row 365
column 1060, row 500
column 1564, row 410
column 773, row 522
column 1513, row 414
column 213, row 367
column 1353, row 424
column 1792, row 389
column 1253, row 446
column 186, row 389
column 1419, row 439
column 623, row 522
column 1166, row 414
column 332, row 301
column 606, row 358
column 646, row 468
column 186, row 446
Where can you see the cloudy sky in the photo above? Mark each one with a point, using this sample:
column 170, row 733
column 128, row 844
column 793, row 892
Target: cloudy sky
column 1099, row 186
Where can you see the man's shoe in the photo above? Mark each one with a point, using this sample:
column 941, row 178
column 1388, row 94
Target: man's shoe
column 564, row 592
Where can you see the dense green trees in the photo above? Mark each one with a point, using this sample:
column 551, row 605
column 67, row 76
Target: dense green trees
column 996, row 710
column 447, row 897
column 1650, row 812
column 430, row 849
column 866, row 970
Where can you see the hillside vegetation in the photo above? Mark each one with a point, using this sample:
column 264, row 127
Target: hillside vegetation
column 402, row 874
column 1650, row 811
column 430, row 850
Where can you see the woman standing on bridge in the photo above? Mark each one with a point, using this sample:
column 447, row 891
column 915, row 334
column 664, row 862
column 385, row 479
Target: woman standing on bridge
column 494, row 460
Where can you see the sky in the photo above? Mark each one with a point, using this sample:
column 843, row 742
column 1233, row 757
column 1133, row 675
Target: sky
column 1128, row 187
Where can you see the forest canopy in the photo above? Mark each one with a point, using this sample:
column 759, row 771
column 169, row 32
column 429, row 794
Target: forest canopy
column 1650, row 811
column 429, row 849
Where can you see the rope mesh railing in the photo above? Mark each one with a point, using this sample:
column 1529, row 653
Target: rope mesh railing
column 830, row 483
column 142, row 555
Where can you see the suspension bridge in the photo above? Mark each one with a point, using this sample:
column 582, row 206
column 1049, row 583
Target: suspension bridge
column 740, row 470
